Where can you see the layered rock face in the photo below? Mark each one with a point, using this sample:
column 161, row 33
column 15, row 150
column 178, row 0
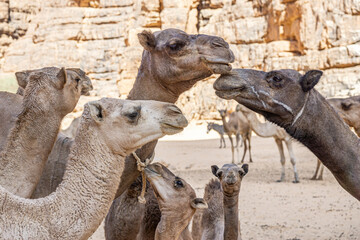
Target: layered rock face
column 99, row 36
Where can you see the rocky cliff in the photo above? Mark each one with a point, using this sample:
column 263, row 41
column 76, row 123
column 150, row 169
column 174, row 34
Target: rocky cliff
column 100, row 37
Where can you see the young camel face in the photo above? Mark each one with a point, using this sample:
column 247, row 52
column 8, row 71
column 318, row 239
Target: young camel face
column 174, row 195
column 209, row 127
column 188, row 57
column 268, row 92
column 63, row 85
column 230, row 176
column 126, row 125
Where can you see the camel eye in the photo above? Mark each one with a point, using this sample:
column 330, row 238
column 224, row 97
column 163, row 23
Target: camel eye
column 77, row 79
column 176, row 46
column 178, row 183
column 276, row 79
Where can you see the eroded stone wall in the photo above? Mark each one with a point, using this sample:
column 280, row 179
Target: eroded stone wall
column 100, row 37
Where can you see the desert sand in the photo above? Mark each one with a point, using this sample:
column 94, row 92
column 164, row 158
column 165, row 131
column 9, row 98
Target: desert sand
column 268, row 209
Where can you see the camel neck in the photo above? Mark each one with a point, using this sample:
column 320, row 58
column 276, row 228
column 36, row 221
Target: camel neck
column 171, row 227
column 29, row 143
column 261, row 129
column 80, row 202
column 148, row 87
column 231, row 215
column 322, row 130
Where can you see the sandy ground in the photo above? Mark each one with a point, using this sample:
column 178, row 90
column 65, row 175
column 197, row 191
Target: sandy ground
column 268, row 210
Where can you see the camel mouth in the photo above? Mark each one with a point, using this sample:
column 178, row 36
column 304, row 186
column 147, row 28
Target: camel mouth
column 171, row 129
column 217, row 66
column 229, row 94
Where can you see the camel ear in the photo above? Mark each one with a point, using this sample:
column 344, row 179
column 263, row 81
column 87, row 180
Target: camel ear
column 346, row 105
column 244, row 170
column 62, row 76
column 22, row 78
column 96, row 111
column 147, row 40
column 310, row 79
column 199, row 203
column 214, row 169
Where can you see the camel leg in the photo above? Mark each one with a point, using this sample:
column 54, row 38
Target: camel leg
column 282, row 159
column 249, row 140
column 317, row 169
column 237, row 140
column 292, row 160
column 232, row 148
column 321, row 172
column 220, row 142
column 245, row 149
column 223, row 139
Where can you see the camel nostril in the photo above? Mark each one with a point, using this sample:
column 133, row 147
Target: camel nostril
column 219, row 43
column 174, row 109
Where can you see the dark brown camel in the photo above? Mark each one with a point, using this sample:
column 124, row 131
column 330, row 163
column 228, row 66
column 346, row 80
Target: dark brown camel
column 288, row 99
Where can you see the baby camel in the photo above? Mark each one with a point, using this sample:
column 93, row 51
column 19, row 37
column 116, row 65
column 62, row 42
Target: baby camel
column 288, row 99
column 49, row 95
column 110, row 129
column 177, row 201
column 221, row 219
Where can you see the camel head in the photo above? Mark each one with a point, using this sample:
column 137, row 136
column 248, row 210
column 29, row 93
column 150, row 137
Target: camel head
column 223, row 112
column 230, row 176
column 126, row 125
column 280, row 96
column 209, row 126
column 174, row 195
column 178, row 60
column 60, row 89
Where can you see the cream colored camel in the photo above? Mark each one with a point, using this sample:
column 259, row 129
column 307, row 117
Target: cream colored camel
column 110, row 129
column 279, row 134
column 221, row 219
column 177, row 201
column 349, row 111
column 50, row 94
column 287, row 98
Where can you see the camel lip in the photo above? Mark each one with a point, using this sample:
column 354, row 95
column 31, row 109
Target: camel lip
column 219, row 61
column 170, row 128
column 228, row 94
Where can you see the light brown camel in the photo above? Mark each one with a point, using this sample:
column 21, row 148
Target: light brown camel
column 177, row 201
column 279, row 134
column 221, row 219
column 237, row 125
column 172, row 63
column 50, row 94
column 110, row 129
column 287, row 98
column 349, row 111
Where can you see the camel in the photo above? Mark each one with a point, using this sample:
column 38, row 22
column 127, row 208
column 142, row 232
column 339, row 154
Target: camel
column 219, row 129
column 349, row 111
column 221, row 219
column 172, row 62
column 110, row 129
column 177, row 201
column 50, row 94
column 237, row 125
column 279, row 134
column 288, row 99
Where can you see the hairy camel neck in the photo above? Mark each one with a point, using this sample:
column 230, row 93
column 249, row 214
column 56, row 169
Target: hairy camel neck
column 225, row 124
column 261, row 129
column 231, row 215
column 322, row 130
column 77, row 207
column 171, row 227
column 28, row 145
